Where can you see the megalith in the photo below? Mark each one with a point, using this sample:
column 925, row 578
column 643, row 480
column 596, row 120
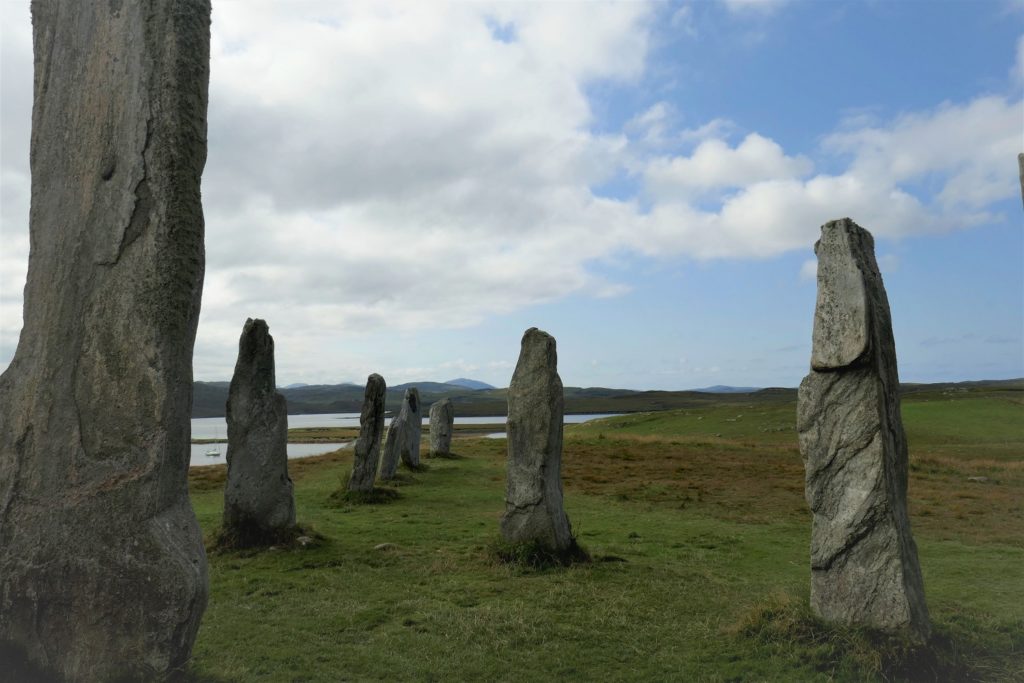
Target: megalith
column 403, row 440
column 442, row 419
column 259, row 505
column 533, row 497
column 371, row 429
column 103, row 575
column 864, row 566
column 1020, row 173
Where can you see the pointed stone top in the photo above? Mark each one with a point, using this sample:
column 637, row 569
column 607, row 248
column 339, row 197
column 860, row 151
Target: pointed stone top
column 412, row 397
column 538, row 350
column 256, row 352
column 846, row 269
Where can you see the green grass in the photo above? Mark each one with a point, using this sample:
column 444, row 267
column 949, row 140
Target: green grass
column 699, row 572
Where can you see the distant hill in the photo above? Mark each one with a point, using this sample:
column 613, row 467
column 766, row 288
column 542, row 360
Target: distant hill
column 209, row 398
column 470, row 383
column 722, row 389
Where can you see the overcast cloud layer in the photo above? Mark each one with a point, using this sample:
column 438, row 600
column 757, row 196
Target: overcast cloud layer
column 376, row 166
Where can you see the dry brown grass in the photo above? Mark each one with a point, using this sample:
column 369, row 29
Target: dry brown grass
column 755, row 483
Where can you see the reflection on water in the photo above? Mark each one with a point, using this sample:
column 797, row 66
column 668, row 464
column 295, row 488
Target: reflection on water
column 295, row 450
column 217, row 428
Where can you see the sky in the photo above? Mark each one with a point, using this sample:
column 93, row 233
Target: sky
column 404, row 188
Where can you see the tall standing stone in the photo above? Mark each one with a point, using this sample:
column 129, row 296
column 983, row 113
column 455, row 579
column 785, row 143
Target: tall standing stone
column 371, row 429
column 1020, row 173
column 403, row 440
column 533, row 498
column 442, row 419
column 258, row 498
column 864, row 567
column 102, row 568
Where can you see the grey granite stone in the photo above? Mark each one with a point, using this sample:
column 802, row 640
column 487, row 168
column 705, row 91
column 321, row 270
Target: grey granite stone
column 864, row 565
column 102, row 569
column 258, row 497
column 371, row 429
column 403, row 440
column 533, row 497
column 442, row 420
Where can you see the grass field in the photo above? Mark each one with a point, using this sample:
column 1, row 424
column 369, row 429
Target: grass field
column 699, row 533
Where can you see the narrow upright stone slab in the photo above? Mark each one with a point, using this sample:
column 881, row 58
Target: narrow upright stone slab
column 258, row 497
column 442, row 419
column 533, row 498
column 864, row 566
column 102, row 569
column 403, row 440
column 1020, row 173
column 371, row 429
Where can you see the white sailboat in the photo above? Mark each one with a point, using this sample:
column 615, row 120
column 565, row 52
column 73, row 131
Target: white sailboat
column 215, row 451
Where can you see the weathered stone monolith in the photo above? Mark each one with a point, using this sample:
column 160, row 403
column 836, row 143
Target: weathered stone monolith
column 442, row 419
column 102, row 569
column 533, row 498
column 403, row 440
column 1020, row 172
column 371, row 429
column 864, row 566
column 259, row 505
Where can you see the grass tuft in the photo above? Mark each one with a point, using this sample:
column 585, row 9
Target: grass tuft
column 786, row 625
column 254, row 537
column 400, row 479
column 445, row 456
column 376, row 496
column 537, row 556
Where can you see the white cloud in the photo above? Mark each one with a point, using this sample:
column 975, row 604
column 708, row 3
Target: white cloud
column 809, row 270
column 716, row 166
column 968, row 146
column 752, row 201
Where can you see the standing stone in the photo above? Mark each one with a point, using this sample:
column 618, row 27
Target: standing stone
column 533, row 498
column 1020, row 172
column 864, row 567
column 403, row 436
column 371, row 429
column 442, row 418
column 258, row 500
column 102, row 569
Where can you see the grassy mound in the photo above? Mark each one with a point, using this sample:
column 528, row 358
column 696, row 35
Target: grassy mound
column 376, row 496
column 253, row 536
column 535, row 555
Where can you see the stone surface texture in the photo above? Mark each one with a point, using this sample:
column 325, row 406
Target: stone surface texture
column 533, row 498
column 371, row 429
column 1020, row 173
column 258, row 495
column 864, row 566
column 442, row 420
column 403, row 440
column 103, row 575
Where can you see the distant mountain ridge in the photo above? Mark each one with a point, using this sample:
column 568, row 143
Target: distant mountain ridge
column 723, row 389
column 470, row 383
column 209, row 398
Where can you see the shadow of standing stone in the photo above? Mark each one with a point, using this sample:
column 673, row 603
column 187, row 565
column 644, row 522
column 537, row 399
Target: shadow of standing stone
column 103, row 574
column 864, row 566
column 371, row 430
column 534, row 515
column 259, row 504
